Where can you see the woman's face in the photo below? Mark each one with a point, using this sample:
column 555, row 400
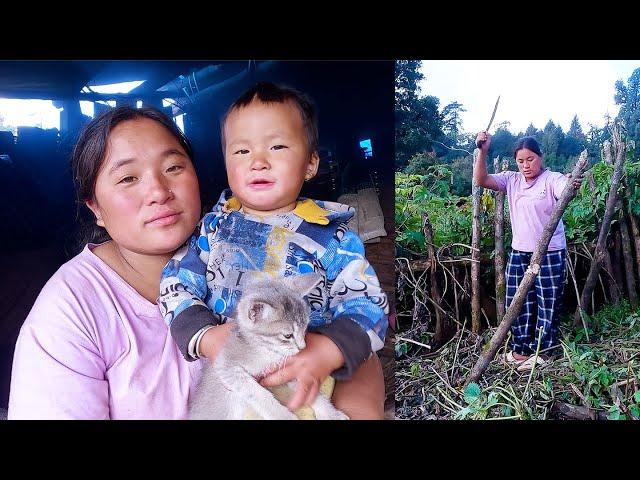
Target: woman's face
column 529, row 163
column 146, row 195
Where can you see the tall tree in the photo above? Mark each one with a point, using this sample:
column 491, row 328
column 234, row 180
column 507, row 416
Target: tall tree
column 552, row 138
column 575, row 130
column 574, row 141
column 628, row 97
column 533, row 132
column 417, row 119
column 595, row 139
column 452, row 121
column 502, row 143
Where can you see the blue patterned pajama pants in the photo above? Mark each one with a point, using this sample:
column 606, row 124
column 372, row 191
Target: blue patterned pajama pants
column 540, row 314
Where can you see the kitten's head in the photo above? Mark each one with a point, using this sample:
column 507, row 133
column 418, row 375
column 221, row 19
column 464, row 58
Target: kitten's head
column 277, row 311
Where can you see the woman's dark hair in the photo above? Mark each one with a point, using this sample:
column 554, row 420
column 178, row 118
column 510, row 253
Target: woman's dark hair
column 268, row 92
column 529, row 143
column 89, row 154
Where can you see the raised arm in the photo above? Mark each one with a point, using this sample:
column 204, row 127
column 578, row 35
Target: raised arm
column 480, row 175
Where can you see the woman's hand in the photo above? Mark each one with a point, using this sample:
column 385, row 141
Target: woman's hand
column 309, row 368
column 483, row 141
column 577, row 182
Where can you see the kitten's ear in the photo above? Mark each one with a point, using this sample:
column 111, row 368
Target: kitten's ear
column 258, row 311
column 302, row 284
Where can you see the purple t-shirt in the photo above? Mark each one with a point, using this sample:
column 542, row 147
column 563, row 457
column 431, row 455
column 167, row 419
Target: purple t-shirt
column 93, row 348
column 530, row 207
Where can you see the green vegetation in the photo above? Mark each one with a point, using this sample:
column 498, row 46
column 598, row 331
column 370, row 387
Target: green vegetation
column 594, row 370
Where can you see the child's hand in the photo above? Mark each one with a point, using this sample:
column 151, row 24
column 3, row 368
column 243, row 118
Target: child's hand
column 213, row 340
column 309, row 368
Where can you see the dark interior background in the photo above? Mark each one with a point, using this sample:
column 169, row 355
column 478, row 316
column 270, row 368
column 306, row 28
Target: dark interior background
column 38, row 211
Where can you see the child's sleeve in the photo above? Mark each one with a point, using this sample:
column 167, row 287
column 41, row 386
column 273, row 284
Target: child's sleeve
column 359, row 307
column 183, row 291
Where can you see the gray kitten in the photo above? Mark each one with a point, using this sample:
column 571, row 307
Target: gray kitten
column 270, row 324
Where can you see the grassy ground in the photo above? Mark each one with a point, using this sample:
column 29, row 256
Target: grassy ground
column 595, row 374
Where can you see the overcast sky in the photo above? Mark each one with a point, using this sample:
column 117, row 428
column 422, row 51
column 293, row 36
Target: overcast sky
column 531, row 91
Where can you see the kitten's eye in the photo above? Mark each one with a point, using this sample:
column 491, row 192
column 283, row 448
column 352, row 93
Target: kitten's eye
column 287, row 335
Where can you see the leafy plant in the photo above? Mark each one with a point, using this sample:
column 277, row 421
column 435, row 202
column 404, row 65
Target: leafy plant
column 478, row 404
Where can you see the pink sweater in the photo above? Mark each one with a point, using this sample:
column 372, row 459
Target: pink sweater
column 93, row 348
column 530, row 207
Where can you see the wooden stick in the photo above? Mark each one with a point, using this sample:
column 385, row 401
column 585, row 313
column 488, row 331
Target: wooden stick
column 530, row 274
column 575, row 412
column 427, row 229
column 475, row 254
column 633, row 224
column 628, row 262
column 455, row 292
column 617, row 260
column 601, row 245
column 499, row 259
column 614, row 289
column 413, row 341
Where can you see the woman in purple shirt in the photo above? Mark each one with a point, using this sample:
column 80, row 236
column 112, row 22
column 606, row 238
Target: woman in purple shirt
column 532, row 192
column 94, row 345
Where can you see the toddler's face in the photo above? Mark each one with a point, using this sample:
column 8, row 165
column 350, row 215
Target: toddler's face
column 267, row 156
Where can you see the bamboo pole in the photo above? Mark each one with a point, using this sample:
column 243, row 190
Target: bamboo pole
column 530, row 274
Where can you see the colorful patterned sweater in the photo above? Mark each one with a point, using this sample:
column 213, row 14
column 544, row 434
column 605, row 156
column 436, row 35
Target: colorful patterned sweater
column 202, row 284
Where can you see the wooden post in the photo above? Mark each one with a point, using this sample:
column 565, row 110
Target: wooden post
column 614, row 290
column 627, row 261
column 633, row 224
column 627, row 256
column 601, row 245
column 499, row 260
column 530, row 274
column 613, row 279
column 475, row 254
column 427, row 229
